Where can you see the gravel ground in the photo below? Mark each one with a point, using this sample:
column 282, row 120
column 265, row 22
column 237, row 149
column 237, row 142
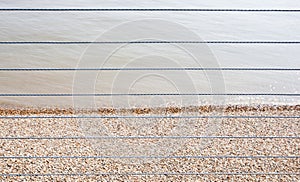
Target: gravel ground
column 148, row 169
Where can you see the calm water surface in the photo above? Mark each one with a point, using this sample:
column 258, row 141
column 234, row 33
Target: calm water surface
column 95, row 26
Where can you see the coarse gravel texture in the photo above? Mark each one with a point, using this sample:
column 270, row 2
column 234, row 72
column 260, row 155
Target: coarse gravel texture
column 78, row 165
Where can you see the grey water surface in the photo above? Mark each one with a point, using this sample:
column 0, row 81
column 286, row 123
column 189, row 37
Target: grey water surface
column 126, row 25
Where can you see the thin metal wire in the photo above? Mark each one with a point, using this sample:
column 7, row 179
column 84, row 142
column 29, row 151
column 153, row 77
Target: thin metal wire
column 147, row 117
column 150, row 42
column 151, row 94
column 150, row 9
column 146, row 174
column 151, row 157
column 146, row 137
column 148, row 69
column 144, row 94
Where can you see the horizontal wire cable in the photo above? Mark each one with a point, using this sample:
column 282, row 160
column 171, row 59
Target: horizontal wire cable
column 153, row 69
column 147, row 117
column 144, row 94
column 149, row 42
column 146, row 174
column 146, row 137
column 151, row 9
column 150, row 157
column 149, row 137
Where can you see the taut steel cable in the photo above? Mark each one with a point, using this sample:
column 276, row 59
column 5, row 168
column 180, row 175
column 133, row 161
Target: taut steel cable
column 153, row 9
column 278, row 42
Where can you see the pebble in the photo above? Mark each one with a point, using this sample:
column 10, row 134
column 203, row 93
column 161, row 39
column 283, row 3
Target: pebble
column 97, row 167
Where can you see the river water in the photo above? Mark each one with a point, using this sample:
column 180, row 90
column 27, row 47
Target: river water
column 128, row 26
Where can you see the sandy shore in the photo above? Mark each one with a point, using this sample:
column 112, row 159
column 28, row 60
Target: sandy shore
column 222, row 151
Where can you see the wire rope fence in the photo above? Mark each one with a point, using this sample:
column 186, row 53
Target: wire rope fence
column 284, row 116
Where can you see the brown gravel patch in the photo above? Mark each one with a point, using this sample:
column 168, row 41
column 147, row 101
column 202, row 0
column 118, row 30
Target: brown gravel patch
column 100, row 168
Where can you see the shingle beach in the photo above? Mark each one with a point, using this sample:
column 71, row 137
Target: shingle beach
column 42, row 149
